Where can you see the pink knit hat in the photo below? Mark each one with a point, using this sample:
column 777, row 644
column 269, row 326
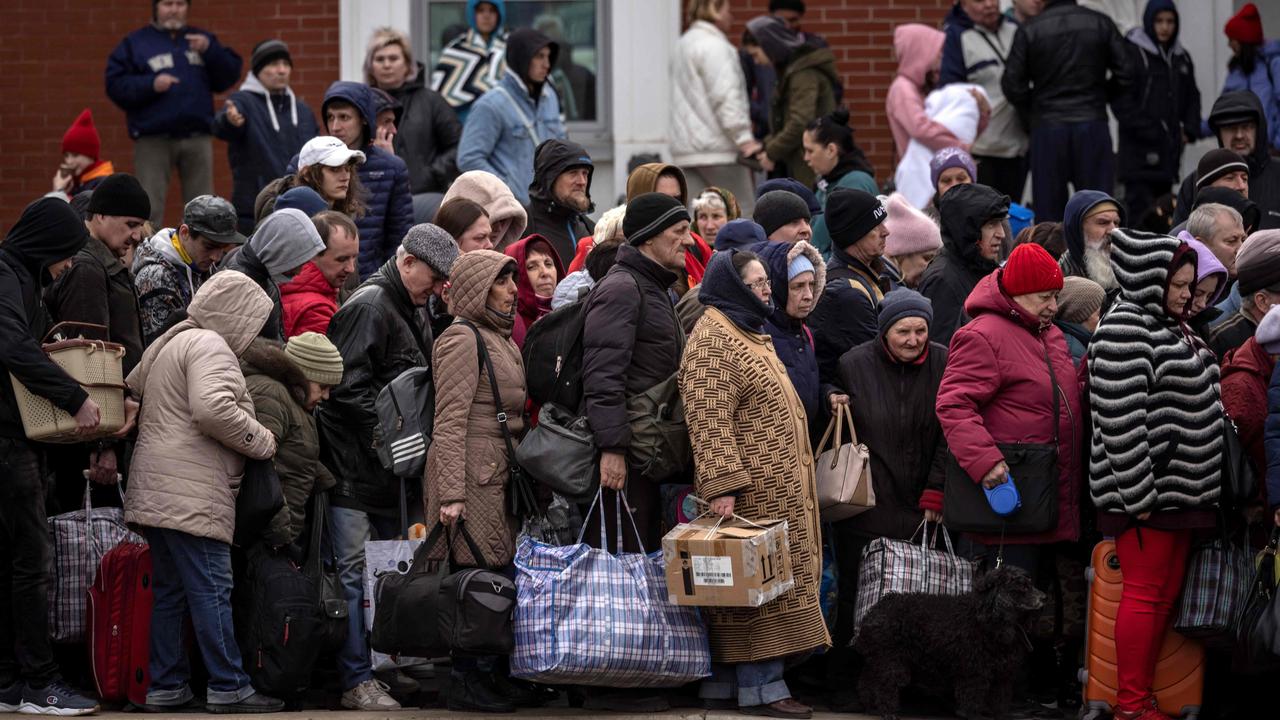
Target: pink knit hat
column 910, row 231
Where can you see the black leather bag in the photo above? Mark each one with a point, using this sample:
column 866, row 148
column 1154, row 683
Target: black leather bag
column 322, row 571
column 561, row 453
column 259, row 499
column 1034, row 468
column 1239, row 479
column 1258, row 631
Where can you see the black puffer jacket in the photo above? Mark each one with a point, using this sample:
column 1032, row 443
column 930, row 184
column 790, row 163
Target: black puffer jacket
column 631, row 341
column 1056, row 72
column 427, row 135
column 952, row 275
column 562, row 226
column 380, row 334
column 1264, row 171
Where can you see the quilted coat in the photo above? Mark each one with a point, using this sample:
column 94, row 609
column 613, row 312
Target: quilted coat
column 750, row 438
column 997, row 389
column 1246, row 373
column 197, row 423
column 710, row 115
column 467, row 460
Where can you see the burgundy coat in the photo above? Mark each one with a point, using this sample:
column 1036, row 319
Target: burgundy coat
column 1246, row 373
column 996, row 390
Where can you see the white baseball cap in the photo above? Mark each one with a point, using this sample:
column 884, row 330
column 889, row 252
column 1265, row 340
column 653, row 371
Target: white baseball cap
column 327, row 150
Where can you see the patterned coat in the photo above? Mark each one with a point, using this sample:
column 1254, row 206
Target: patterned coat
column 750, row 438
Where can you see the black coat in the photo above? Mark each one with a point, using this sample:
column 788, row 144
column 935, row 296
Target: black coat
column 1056, row 72
column 380, row 334
column 631, row 341
column 1264, row 171
column 845, row 315
column 562, row 226
column 893, row 412
column 956, row 270
column 426, row 136
column 98, row 289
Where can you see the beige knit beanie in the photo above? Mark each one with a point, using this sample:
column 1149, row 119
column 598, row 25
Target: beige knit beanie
column 316, row 357
column 1078, row 299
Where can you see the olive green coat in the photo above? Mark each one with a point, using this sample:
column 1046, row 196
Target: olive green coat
column 805, row 91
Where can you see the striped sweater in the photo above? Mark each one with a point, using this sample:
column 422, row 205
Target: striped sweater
column 1157, row 416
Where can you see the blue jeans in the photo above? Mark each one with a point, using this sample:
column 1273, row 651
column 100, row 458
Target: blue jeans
column 190, row 572
column 351, row 529
column 757, row 683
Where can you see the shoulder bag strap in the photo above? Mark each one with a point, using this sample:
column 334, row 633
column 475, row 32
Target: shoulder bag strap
column 524, row 117
column 1053, row 385
column 483, row 352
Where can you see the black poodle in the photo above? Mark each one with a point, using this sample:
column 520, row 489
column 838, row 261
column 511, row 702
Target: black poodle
column 967, row 644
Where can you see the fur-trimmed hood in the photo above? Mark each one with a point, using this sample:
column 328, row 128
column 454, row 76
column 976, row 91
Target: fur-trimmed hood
column 267, row 357
column 777, row 257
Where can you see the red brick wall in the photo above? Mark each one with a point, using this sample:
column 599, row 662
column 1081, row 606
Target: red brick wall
column 54, row 53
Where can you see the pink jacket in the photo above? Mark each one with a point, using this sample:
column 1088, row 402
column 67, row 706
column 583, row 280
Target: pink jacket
column 996, row 390
column 918, row 49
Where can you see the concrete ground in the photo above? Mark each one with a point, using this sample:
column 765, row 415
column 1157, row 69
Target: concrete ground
column 543, row 714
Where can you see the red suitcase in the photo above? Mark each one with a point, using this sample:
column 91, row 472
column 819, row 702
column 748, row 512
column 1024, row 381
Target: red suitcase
column 118, row 625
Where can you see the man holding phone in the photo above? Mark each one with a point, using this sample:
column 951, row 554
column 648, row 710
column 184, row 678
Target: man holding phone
column 164, row 76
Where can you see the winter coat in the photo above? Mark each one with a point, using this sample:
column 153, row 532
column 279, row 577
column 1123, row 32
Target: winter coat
column 1157, row 416
column 792, row 340
column 1077, row 337
column 562, row 226
column 1072, row 261
column 974, row 54
column 427, row 135
column 1264, row 82
column 1056, row 72
column 893, row 411
column 48, row 231
column 1163, row 104
column 308, row 302
column 845, row 315
column 956, row 271
column 186, row 108
column 1246, row 373
column 1232, row 333
column 98, row 289
column 380, row 334
column 469, row 66
column 750, row 440
column 805, row 91
column 197, row 424
column 467, row 460
column 164, row 282
column 490, row 192
column 1272, row 441
column 529, row 306
column 1264, row 171
column 504, row 128
column 279, row 391
column 276, row 126
column 917, row 48
column 954, row 108
column 842, row 175
column 631, row 341
column 998, row 389
column 710, row 116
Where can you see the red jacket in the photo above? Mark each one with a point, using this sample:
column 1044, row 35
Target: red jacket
column 1246, row 373
column 309, row 302
column 996, row 390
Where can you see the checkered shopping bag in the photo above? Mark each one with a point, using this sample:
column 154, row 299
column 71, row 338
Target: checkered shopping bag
column 1214, row 592
column 901, row 566
column 586, row 616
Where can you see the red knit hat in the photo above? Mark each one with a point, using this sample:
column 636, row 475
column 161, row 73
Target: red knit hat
column 82, row 137
column 1245, row 26
column 1030, row 269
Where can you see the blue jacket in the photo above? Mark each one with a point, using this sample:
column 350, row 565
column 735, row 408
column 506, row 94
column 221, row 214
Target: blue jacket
column 496, row 136
column 792, row 340
column 1264, row 81
column 187, row 107
column 388, row 201
column 275, row 129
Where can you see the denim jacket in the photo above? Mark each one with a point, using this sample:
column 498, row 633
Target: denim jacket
column 503, row 129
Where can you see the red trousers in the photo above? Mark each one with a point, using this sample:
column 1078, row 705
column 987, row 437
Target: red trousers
column 1154, row 563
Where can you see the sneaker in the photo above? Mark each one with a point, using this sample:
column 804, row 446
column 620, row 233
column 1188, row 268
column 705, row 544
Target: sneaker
column 11, row 697
column 1150, row 711
column 397, row 683
column 255, row 703
column 369, row 695
column 56, row 699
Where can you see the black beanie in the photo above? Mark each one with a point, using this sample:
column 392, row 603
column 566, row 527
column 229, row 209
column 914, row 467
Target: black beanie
column 649, row 214
column 267, row 52
column 155, row 15
column 777, row 208
column 122, row 195
column 851, row 214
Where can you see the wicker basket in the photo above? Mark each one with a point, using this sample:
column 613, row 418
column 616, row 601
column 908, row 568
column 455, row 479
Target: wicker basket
column 96, row 365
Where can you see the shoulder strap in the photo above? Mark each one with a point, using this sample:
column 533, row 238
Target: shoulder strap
column 524, row 117
column 487, row 365
column 1053, row 385
column 999, row 56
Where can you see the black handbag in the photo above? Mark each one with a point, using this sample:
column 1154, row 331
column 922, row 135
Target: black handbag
column 258, row 501
column 322, row 571
column 1034, row 468
column 426, row 613
column 1258, row 630
column 1239, row 479
column 561, row 453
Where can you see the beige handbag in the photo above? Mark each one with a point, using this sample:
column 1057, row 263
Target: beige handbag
column 844, row 472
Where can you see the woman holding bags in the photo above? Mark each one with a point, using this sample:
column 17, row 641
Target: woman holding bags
column 750, row 440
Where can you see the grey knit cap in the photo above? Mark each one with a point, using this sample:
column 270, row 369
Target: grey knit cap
column 432, row 245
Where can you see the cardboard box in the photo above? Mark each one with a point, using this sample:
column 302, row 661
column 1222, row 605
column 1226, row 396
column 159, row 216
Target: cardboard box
column 733, row 565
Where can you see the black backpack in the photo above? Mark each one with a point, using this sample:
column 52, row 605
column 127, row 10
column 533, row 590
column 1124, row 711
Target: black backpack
column 279, row 624
column 553, row 356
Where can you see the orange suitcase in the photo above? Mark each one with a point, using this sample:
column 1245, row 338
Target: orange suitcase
column 1179, row 682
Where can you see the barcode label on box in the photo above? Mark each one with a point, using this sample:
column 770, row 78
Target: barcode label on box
column 712, row 570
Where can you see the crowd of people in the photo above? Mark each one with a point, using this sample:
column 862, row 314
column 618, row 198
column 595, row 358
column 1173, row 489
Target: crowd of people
column 764, row 277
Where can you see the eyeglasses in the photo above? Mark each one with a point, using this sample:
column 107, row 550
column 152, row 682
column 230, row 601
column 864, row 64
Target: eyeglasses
column 759, row 285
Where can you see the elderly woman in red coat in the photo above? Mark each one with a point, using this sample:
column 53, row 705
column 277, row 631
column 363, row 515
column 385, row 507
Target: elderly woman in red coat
column 1002, row 371
column 1246, row 374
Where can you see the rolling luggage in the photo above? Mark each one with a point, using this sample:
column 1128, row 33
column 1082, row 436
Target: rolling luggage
column 1179, row 679
column 119, row 624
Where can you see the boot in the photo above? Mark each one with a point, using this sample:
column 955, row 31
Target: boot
column 468, row 692
column 520, row 693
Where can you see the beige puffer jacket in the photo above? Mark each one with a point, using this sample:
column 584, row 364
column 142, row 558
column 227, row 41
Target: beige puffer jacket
column 197, row 423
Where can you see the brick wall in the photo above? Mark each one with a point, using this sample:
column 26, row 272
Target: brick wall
column 54, row 53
